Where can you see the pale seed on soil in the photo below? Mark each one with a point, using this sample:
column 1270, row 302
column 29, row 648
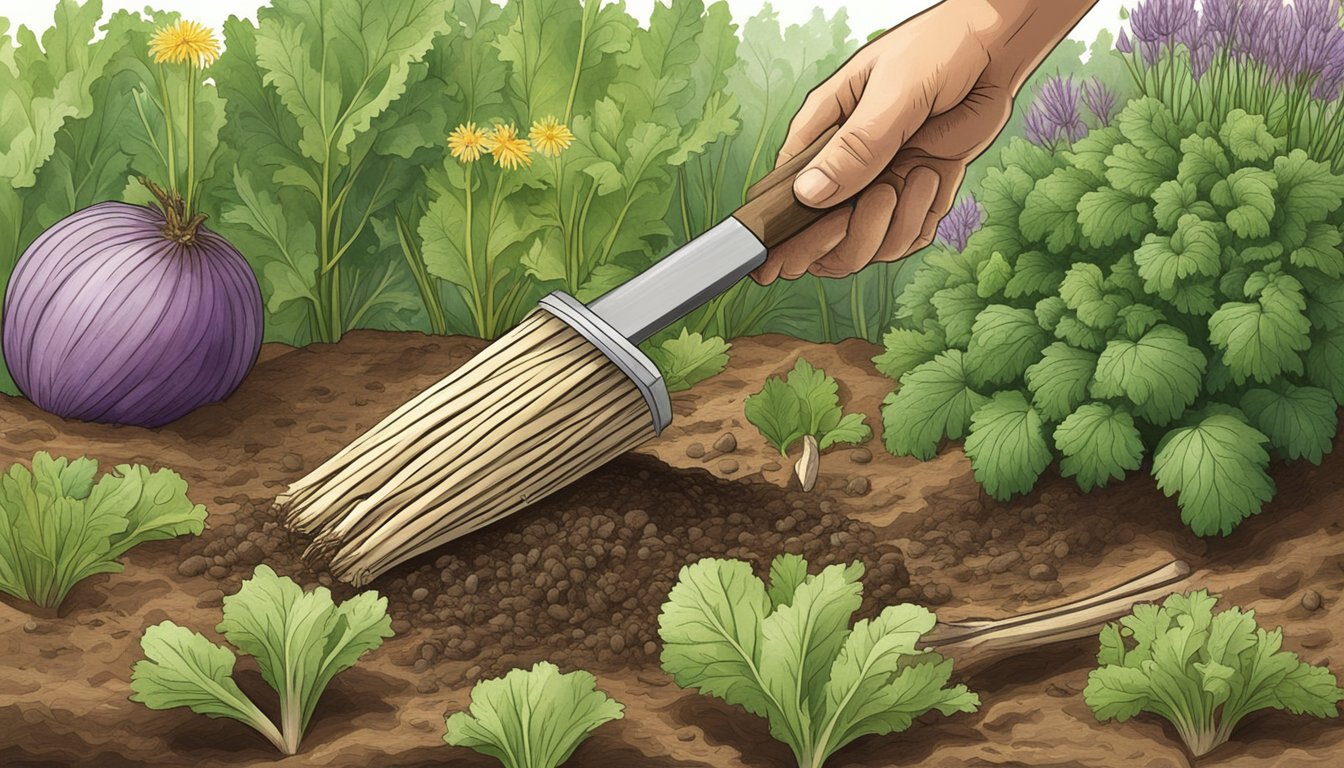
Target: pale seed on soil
column 695, row 450
column 727, row 443
column 30, row 626
column 1311, row 600
column 292, row 462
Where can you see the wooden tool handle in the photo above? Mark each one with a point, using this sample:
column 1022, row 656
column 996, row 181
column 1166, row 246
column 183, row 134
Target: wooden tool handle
column 977, row 641
column 771, row 212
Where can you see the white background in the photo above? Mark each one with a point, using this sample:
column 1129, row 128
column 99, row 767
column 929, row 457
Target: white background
column 865, row 15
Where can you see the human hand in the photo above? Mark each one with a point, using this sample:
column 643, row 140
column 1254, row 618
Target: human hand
column 914, row 107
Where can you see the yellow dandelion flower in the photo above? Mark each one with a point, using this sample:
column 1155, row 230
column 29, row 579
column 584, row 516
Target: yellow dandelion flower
column 509, row 151
column 186, row 41
column 550, row 136
column 467, row 143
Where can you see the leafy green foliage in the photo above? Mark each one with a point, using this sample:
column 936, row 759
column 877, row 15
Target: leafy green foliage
column 688, row 358
column 533, row 718
column 1202, row 670
column 786, row 652
column 1157, row 271
column 1006, row 445
column 300, row 640
column 58, row 526
column 805, row 402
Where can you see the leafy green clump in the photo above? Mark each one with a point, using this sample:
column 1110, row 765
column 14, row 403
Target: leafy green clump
column 1162, row 289
column 300, row 640
column 532, row 718
column 805, row 402
column 58, row 526
column 1201, row 670
column 688, row 359
column 785, row 651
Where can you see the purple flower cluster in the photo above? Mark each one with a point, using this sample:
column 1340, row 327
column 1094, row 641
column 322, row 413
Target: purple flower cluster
column 1099, row 100
column 1297, row 43
column 960, row 223
column 1053, row 114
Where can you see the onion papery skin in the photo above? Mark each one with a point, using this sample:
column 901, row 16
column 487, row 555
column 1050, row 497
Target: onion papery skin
column 106, row 319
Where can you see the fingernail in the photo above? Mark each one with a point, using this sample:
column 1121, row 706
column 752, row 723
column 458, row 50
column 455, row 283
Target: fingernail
column 814, row 186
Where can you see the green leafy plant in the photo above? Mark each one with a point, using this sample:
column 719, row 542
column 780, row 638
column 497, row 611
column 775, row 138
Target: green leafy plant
column 58, row 526
column 300, row 640
column 805, row 402
column 532, row 718
column 1202, row 670
column 785, row 651
column 687, row 358
column 1161, row 289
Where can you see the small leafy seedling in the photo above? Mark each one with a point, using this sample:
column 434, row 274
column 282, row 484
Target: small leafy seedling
column 1203, row 671
column 301, row 640
column 785, row 652
column 806, row 402
column 532, row 718
column 58, row 526
column 688, row 359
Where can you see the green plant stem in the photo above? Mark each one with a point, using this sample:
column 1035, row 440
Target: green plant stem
column 824, row 308
column 578, row 63
column 474, row 300
column 190, row 183
column 171, row 143
column 429, row 291
column 858, row 312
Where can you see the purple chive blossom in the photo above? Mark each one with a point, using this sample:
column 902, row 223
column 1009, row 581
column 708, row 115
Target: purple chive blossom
column 960, row 223
column 1122, row 43
column 1160, row 22
column 1220, row 22
column 1099, row 100
column 1038, row 128
column 1054, row 113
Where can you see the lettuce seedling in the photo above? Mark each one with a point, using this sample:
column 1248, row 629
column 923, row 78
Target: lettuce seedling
column 58, row 526
column 688, row 359
column 301, row 640
column 806, row 402
column 532, row 718
column 1203, row 671
column 785, row 652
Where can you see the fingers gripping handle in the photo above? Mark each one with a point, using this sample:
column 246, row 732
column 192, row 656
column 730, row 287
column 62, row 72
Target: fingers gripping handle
column 772, row 212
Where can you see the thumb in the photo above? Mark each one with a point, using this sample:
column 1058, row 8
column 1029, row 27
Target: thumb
column 860, row 150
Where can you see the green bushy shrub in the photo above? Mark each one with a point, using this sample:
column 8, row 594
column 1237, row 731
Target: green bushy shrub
column 1164, row 290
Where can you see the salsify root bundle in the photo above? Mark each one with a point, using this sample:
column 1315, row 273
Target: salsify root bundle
column 531, row 413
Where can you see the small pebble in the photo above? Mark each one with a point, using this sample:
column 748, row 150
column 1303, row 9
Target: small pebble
column 728, row 466
column 193, row 566
column 419, row 594
column 695, row 450
column 685, row 734
column 291, row 462
column 470, row 583
column 857, row 486
column 1311, row 600
column 218, row 571
column 427, row 686
column 473, row 672
column 1004, row 562
column 210, row 597
column 401, row 626
column 860, row 455
column 727, row 443
column 1042, row 572
column 771, row 466
column 30, row 626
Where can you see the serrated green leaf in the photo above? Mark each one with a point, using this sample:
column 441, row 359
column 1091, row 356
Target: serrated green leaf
column 1150, row 125
column 992, row 275
column 1325, row 361
column 1090, row 152
column 957, row 309
column 1003, row 193
column 1216, row 469
column 1193, row 249
column 1048, row 312
column 1109, row 215
column 1203, row 163
column 1263, row 339
column 688, row 359
column 1084, row 291
column 1050, row 213
column 1059, row 382
column 1247, row 138
column 1004, row 341
column 904, row 349
column 1079, row 334
column 1006, row 445
column 1138, row 319
column 547, row 712
column 1137, row 172
column 935, row 401
column 1160, row 373
column 1300, row 421
column 1098, row 443
column 1308, row 191
column 1175, row 200
column 1325, row 301
column 1321, row 250
column 1247, row 195
column 1036, row 273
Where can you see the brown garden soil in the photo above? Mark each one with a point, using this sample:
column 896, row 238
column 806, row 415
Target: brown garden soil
column 579, row 578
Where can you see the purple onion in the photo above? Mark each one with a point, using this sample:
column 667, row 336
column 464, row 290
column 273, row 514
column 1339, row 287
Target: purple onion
column 108, row 319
